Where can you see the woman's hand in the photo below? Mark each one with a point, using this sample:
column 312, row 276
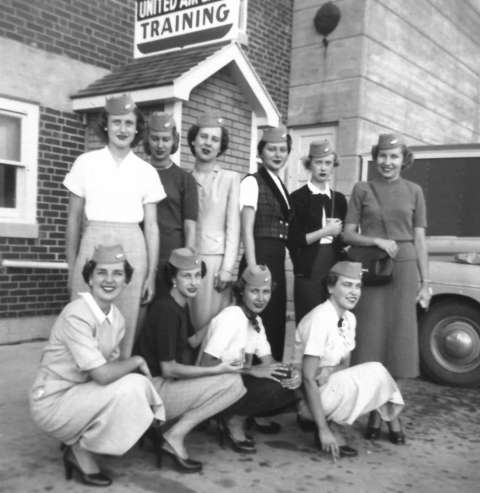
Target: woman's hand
column 329, row 442
column 294, row 381
column 273, row 371
column 142, row 367
column 389, row 246
column 333, row 226
column 424, row 296
column 233, row 366
column 222, row 279
column 148, row 290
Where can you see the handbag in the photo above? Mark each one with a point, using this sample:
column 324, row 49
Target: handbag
column 377, row 264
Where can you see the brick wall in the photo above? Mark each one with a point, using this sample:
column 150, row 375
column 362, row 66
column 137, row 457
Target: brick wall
column 269, row 32
column 41, row 292
column 99, row 32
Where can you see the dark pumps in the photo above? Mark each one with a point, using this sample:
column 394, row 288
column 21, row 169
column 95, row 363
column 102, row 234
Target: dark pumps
column 246, row 446
column 397, row 437
column 71, row 464
column 306, row 424
column 183, row 465
column 374, row 424
column 272, row 428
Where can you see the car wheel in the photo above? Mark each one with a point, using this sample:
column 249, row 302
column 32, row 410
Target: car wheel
column 450, row 343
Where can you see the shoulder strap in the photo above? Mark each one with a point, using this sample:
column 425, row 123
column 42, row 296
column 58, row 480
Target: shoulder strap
column 372, row 188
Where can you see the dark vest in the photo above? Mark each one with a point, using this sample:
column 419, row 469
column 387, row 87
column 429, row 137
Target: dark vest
column 273, row 214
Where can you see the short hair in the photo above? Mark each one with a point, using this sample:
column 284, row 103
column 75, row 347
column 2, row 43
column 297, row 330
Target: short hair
column 175, row 135
column 239, row 286
column 408, row 157
column 102, row 122
column 90, row 265
column 307, row 161
column 192, row 134
column 331, row 279
column 171, row 271
column 261, row 144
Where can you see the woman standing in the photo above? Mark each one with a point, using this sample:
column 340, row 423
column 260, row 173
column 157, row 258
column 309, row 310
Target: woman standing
column 265, row 215
column 116, row 190
column 313, row 238
column 218, row 225
column 191, row 394
column 336, row 392
column 177, row 214
column 387, row 317
column 84, row 395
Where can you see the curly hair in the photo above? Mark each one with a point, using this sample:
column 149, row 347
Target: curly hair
column 192, row 134
column 408, row 157
column 100, row 127
column 90, row 265
column 239, row 286
column 261, row 144
column 176, row 141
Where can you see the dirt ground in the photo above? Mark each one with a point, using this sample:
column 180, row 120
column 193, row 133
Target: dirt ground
column 442, row 454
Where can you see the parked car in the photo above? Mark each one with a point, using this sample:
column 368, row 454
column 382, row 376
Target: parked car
column 449, row 334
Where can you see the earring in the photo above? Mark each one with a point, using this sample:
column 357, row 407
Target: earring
column 174, row 284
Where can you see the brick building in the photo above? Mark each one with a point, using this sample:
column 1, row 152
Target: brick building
column 53, row 50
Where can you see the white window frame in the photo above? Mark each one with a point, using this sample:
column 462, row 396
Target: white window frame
column 21, row 221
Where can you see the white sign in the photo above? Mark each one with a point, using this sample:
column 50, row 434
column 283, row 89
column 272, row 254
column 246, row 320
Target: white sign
column 162, row 25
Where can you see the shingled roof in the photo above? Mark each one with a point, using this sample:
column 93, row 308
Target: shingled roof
column 152, row 71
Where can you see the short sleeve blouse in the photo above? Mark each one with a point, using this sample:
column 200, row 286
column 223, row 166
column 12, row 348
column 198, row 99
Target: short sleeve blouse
column 114, row 192
column 230, row 336
column 402, row 205
column 318, row 335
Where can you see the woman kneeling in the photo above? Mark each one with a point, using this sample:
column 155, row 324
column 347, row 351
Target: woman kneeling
column 237, row 333
column 191, row 394
column 83, row 394
column 337, row 394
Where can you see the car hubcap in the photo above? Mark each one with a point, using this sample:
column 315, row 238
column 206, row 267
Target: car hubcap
column 456, row 344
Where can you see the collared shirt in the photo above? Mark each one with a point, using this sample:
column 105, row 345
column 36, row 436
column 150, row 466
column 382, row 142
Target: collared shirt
column 231, row 336
column 100, row 315
column 318, row 334
column 249, row 190
column 114, row 192
column 326, row 240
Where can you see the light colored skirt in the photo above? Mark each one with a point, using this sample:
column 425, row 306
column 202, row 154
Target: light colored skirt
column 359, row 389
column 130, row 236
column 208, row 301
column 105, row 419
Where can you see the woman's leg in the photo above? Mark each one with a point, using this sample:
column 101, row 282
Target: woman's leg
column 193, row 401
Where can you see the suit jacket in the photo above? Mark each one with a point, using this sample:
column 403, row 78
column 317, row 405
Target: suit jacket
column 218, row 224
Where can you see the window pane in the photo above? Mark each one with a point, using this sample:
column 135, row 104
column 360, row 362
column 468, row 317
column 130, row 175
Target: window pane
column 8, row 185
column 10, row 127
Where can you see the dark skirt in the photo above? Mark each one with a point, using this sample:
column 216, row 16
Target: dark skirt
column 271, row 252
column 387, row 321
column 311, row 291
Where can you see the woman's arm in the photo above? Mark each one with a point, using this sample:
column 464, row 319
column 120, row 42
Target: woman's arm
column 248, row 221
column 172, row 369
column 424, row 293
column 152, row 241
column 232, row 230
column 352, row 237
column 74, row 226
column 189, row 230
column 112, row 371
column 328, row 440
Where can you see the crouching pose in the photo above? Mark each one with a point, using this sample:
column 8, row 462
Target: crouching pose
column 190, row 394
column 237, row 332
column 83, row 394
column 336, row 393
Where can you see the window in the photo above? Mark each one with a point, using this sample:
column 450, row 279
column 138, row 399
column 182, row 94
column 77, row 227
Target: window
column 18, row 168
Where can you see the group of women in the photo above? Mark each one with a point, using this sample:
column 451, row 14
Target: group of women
column 209, row 345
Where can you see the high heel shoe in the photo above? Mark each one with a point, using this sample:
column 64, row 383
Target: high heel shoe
column 372, row 432
column 186, row 465
column 71, row 464
column 272, row 428
column 246, row 446
column 397, row 437
column 306, row 424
